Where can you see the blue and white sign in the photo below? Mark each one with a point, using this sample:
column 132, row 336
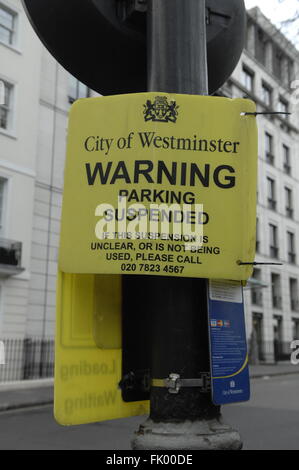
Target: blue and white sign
column 228, row 346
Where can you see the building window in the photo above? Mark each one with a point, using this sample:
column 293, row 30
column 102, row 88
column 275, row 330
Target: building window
column 258, row 243
column 2, row 92
column 269, row 148
column 257, row 337
column 277, row 62
column 295, row 328
column 271, row 194
column 3, row 186
column 248, row 79
column 261, row 41
column 290, row 71
column 6, row 107
column 250, row 30
column 77, row 90
column 274, row 251
column 289, row 203
column 7, row 25
column 267, row 94
column 283, row 107
column 286, row 160
column 276, row 291
column 294, row 298
column 256, row 293
column 291, row 248
column 278, row 338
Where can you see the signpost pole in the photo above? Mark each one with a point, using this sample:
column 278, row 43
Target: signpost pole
column 177, row 63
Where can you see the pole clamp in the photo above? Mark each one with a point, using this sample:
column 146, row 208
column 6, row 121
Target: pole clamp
column 174, row 382
column 126, row 9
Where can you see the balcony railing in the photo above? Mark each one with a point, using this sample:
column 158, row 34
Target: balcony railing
column 261, row 351
column 27, row 359
column 292, row 258
column 10, row 258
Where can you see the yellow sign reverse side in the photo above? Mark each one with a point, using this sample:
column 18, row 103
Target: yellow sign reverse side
column 160, row 184
column 88, row 351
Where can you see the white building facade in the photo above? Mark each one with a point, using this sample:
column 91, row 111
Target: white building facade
column 20, row 55
column 33, row 128
column 266, row 73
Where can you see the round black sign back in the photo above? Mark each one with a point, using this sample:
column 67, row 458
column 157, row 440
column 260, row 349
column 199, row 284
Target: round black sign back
column 107, row 52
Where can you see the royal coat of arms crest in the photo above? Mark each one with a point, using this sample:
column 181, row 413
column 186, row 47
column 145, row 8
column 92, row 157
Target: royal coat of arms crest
column 161, row 110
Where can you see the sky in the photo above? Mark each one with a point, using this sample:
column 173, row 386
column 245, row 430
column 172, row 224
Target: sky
column 277, row 11
column 274, row 9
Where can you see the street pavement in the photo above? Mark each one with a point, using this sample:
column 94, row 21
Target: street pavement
column 26, row 394
column 270, row 421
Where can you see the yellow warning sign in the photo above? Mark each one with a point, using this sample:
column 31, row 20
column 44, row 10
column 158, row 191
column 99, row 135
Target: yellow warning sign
column 88, row 353
column 160, row 184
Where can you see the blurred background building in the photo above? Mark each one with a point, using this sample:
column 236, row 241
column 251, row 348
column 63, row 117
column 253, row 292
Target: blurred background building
column 266, row 74
column 33, row 129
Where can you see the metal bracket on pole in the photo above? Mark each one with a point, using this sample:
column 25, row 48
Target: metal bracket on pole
column 137, row 381
column 127, row 8
column 220, row 15
column 174, row 382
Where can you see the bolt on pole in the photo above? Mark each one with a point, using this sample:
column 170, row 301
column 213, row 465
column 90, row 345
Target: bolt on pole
column 177, row 63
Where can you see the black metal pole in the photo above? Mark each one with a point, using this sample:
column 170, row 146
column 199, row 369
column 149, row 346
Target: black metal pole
column 177, row 48
column 177, row 63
